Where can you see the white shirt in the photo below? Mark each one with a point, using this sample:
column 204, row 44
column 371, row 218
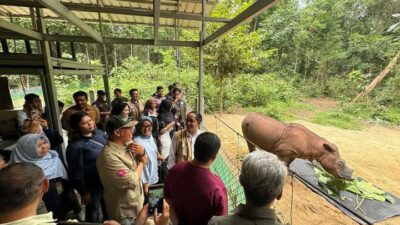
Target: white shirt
column 172, row 151
column 43, row 219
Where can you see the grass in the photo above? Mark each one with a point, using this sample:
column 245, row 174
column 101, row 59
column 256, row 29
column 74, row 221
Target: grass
column 392, row 115
column 337, row 119
column 283, row 111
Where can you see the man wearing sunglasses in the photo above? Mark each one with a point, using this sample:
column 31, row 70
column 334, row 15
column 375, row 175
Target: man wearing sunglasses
column 120, row 166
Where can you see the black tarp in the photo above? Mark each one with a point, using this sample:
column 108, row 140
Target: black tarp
column 375, row 211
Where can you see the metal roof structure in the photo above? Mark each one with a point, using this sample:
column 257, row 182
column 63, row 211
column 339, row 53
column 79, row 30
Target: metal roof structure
column 129, row 11
column 178, row 14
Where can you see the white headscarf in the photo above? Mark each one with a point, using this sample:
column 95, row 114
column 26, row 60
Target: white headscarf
column 25, row 150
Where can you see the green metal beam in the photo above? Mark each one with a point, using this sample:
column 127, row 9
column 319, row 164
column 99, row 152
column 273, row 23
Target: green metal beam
column 156, row 19
column 20, row 30
column 58, row 7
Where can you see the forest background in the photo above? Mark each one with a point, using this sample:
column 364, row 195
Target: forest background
column 297, row 50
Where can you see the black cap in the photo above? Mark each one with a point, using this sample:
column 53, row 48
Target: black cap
column 101, row 92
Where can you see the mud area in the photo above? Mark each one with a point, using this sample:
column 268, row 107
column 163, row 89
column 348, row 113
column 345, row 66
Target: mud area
column 373, row 152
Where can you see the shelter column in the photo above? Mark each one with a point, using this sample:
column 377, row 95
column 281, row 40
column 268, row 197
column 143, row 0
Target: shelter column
column 51, row 103
column 200, row 98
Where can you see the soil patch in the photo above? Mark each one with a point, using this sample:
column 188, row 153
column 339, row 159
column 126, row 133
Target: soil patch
column 373, row 152
column 323, row 103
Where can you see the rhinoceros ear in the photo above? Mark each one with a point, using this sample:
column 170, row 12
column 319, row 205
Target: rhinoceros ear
column 328, row 147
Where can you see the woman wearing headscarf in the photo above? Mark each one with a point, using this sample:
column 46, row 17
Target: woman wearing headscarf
column 83, row 149
column 35, row 148
column 145, row 138
column 182, row 145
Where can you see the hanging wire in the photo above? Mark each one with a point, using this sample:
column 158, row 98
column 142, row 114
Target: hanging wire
column 291, row 201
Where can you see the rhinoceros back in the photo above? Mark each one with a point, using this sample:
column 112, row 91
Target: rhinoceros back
column 262, row 130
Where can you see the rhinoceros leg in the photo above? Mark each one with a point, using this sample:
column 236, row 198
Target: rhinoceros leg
column 285, row 153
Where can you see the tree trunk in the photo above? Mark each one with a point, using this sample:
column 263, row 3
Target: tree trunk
column 379, row 78
column 221, row 94
column 22, row 84
column 131, row 50
column 115, row 56
column 87, row 54
column 148, row 54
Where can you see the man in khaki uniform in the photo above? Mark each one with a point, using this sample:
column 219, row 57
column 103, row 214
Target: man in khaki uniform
column 80, row 98
column 262, row 177
column 120, row 167
column 136, row 107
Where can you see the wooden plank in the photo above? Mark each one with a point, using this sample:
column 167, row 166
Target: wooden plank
column 57, row 7
column 20, row 30
column 78, row 72
column 110, row 40
column 19, row 71
column 62, row 63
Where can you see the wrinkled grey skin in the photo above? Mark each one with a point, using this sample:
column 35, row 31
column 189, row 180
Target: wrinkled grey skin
column 290, row 141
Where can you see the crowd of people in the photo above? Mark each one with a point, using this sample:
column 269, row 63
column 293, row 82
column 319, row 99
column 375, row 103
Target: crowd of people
column 116, row 153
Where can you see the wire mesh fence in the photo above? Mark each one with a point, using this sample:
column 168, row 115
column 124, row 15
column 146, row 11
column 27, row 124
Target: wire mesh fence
column 228, row 162
column 229, row 174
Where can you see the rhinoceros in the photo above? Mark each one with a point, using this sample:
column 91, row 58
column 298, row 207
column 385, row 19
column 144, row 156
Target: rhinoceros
column 290, row 140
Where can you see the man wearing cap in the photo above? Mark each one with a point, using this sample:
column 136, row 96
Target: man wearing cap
column 120, row 166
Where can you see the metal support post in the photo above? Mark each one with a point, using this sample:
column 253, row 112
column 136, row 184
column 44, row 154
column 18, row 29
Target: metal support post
column 105, row 76
column 200, row 97
column 51, row 103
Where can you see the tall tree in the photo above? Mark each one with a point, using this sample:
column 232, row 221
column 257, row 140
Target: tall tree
column 230, row 55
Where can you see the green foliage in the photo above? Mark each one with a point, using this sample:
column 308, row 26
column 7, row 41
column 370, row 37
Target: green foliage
column 361, row 188
column 389, row 93
column 261, row 90
column 347, row 86
column 391, row 115
column 351, row 115
column 278, row 110
column 337, row 119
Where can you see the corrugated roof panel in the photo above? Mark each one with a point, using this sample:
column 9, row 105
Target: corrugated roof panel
column 147, row 20
column 121, row 17
column 107, row 2
column 126, row 4
column 13, row 10
column 117, row 3
column 191, row 7
column 185, row 7
column 197, row 8
column 111, row 16
column 49, row 13
column 21, row 11
column 25, row 10
column 92, row 15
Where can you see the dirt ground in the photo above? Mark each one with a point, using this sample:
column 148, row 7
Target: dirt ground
column 373, row 153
